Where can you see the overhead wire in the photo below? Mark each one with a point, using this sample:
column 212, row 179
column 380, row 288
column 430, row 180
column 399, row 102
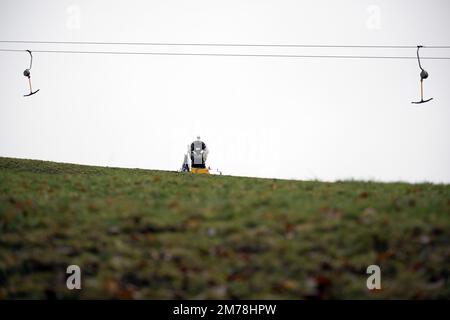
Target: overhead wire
column 227, row 54
column 291, row 45
column 215, row 54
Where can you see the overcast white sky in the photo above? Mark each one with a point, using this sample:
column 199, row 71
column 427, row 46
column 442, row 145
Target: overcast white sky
column 266, row 117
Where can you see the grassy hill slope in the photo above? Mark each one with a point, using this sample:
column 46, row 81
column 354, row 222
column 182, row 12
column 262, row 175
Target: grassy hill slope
column 153, row 234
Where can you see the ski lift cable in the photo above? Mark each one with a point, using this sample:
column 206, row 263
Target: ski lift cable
column 288, row 45
column 227, row 54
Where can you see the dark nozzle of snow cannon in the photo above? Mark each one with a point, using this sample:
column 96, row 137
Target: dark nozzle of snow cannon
column 423, row 75
column 26, row 73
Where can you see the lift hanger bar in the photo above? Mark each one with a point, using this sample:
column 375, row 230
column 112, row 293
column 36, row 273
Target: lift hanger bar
column 27, row 73
column 423, row 76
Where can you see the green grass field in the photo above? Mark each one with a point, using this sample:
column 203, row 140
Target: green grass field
column 140, row 234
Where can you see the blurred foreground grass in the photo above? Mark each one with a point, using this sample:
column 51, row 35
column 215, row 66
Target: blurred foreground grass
column 139, row 234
